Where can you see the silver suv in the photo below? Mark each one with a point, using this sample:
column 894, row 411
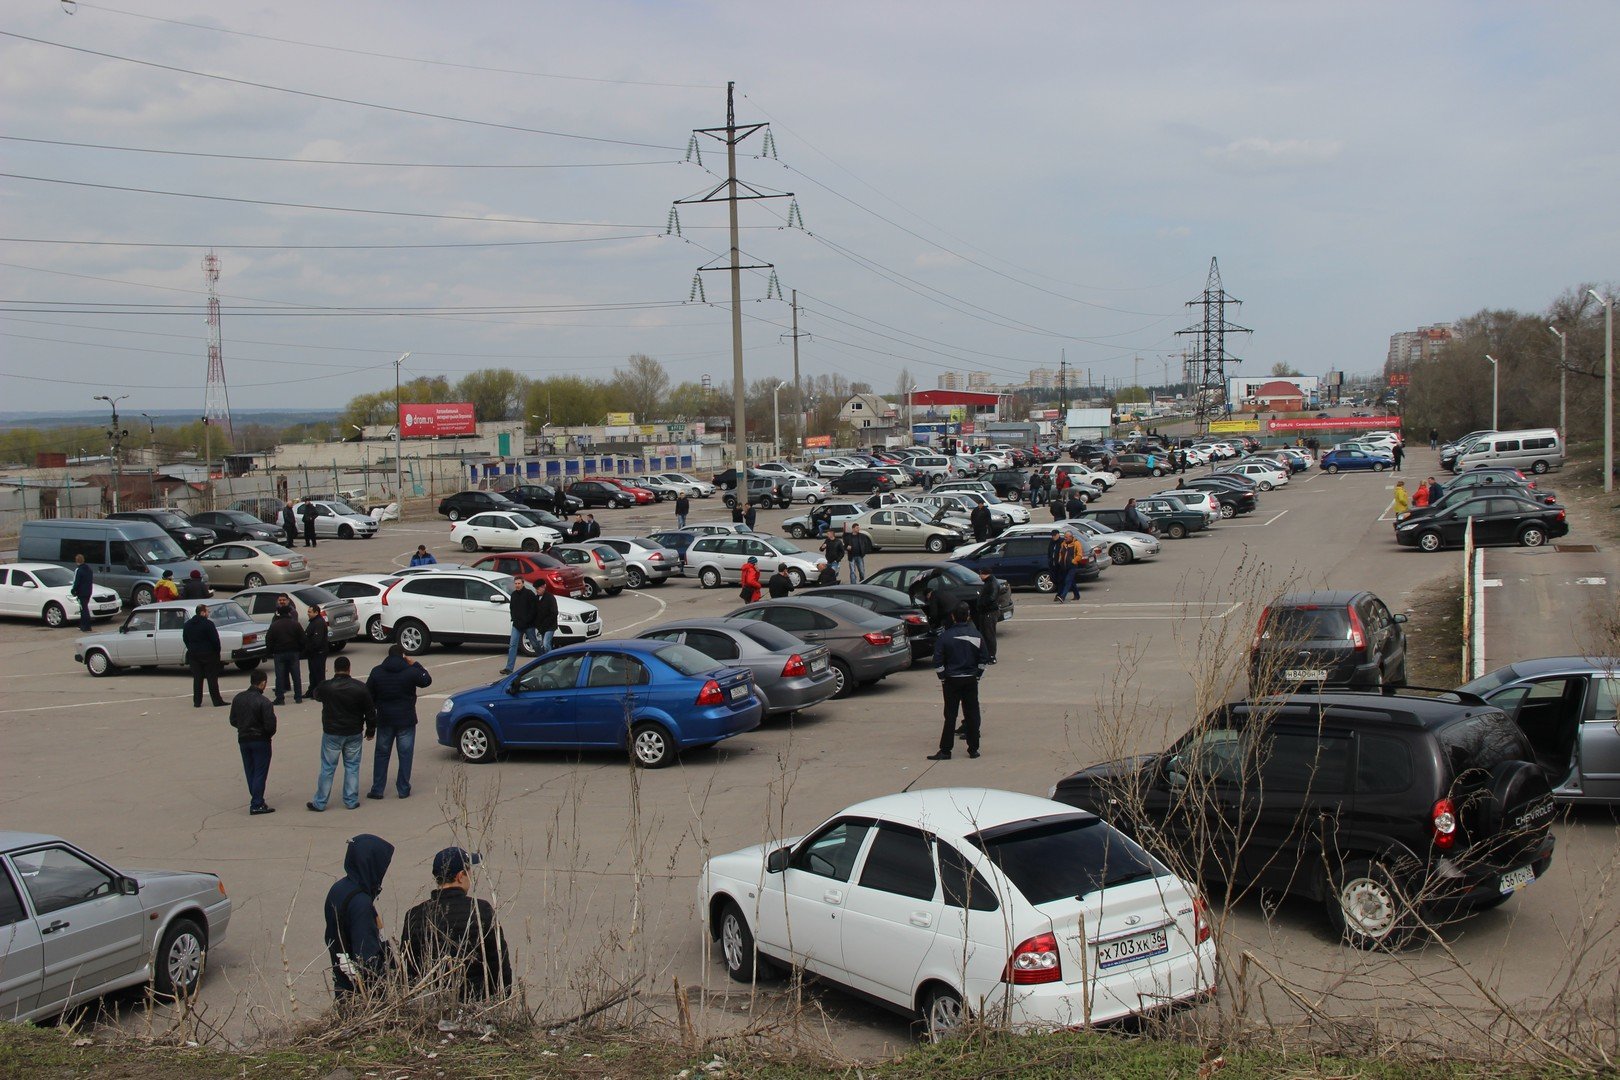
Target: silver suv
column 719, row 559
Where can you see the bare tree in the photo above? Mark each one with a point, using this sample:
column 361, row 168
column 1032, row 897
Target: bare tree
column 640, row 387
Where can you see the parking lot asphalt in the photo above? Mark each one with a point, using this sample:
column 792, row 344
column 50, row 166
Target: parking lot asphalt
column 593, row 863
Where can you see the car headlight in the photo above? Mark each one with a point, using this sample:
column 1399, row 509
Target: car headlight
column 568, row 618
column 449, row 704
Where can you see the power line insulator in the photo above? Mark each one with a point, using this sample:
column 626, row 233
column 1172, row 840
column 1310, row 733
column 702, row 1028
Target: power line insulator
column 694, row 153
column 673, row 228
column 795, row 218
column 767, row 146
column 773, row 288
column 696, row 293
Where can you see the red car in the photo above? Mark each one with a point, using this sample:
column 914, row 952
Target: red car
column 641, row 495
column 534, row 567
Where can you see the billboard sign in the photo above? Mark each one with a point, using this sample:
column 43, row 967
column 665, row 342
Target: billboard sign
column 817, row 442
column 437, row 419
column 1336, row 423
column 1234, row 427
column 1400, row 378
column 620, row 419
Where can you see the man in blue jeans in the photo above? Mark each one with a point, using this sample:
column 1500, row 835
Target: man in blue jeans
column 393, row 685
column 524, row 611
column 84, row 586
column 348, row 718
column 856, row 545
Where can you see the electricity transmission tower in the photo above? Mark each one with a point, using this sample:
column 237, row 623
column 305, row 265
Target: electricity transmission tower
column 733, row 191
column 1206, row 369
column 216, row 399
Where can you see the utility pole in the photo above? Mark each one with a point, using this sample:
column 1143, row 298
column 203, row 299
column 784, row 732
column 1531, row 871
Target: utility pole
column 116, row 436
column 1608, row 389
column 1209, row 338
column 731, row 135
column 399, row 462
column 1563, row 375
column 798, row 389
column 1063, row 383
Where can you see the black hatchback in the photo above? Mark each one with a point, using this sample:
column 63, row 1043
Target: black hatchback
column 1327, row 638
column 862, row 481
column 1393, row 809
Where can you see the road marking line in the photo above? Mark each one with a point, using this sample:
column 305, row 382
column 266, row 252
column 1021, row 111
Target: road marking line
column 1591, row 581
column 1258, row 524
column 86, row 704
column 1492, row 583
column 1230, row 608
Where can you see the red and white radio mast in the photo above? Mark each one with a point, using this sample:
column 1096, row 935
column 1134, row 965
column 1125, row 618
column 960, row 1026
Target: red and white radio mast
column 216, row 399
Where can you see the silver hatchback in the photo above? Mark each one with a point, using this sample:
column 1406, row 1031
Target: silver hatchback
column 605, row 570
column 647, row 562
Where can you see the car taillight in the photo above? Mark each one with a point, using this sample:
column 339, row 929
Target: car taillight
column 710, row 694
column 1560, row 516
column 1358, row 635
column 916, row 620
column 1034, row 961
column 596, row 556
column 876, row 638
column 794, row 667
column 657, row 556
column 1259, row 627
column 280, row 562
column 249, row 639
column 1445, row 823
column 386, row 592
column 1201, row 931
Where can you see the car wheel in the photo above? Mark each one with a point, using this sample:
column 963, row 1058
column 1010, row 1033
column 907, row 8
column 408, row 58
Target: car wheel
column 141, row 596
column 253, row 581
column 1331, row 469
column 246, row 665
column 98, row 663
column 345, row 532
column 1045, row 582
column 1539, row 467
column 469, row 544
column 1120, row 553
column 453, row 514
column 941, row 1014
column 1378, row 466
column 813, row 498
column 1158, row 472
column 1532, row 536
column 1265, row 485
column 635, row 578
column 531, row 544
column 730, row 501
column 796, row 577
column 614, row 591
column 55, row 615
column 743, row 961
column 709, row 577
column 936, row 544
column 413, row 637
column 1176, row 530
column 178, row 966
column 652, row 746
column 1429, row 541
column 475, row 742
column 1369, row 908
column 375, row 631
column 1228, row 511
column 593, row 591
column 796, row 531
column 843, row 678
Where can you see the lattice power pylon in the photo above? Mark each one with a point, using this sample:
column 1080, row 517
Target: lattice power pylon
column 216, row 398
column 1207, row 366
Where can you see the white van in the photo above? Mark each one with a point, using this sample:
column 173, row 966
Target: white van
column 1534, row 450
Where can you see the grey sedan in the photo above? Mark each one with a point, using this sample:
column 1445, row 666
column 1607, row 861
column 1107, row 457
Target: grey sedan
column 342, row 619
column 864, row 645
column 1566, row 705
column 647, row 562
column 73, row 928
column 789, row 675
column 151, row 637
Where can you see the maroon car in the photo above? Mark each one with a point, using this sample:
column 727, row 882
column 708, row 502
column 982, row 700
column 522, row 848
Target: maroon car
column 535, row 567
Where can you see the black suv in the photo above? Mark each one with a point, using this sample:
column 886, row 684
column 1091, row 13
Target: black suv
column 861, row 481
column 1233, row 499
column 1010, row 484
column 1394, row 809
column 544, row 497
column 467, row 503
column 191, row 537
column 763, row 491
column 1327, row 638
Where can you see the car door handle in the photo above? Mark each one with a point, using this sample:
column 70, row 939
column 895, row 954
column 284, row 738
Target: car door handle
column 54, row 927
column 833, row 896
column 921, row 918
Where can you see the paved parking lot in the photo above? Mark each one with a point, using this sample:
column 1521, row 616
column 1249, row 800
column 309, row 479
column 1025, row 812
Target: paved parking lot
column 593, row 863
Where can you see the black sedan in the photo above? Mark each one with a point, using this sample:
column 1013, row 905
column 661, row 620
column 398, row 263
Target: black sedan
column 1498, row 519
column 193, row 538
column 891, row 602
column 595, row 493
column 959, row 583
column 465, row 504
column 239, row 525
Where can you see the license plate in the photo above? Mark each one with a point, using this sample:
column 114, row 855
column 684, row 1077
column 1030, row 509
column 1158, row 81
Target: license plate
column 1138, row 947
column 739, row 692
column 819, row 665
column 1514, row 880
column 577, row 593
column 1304, row 674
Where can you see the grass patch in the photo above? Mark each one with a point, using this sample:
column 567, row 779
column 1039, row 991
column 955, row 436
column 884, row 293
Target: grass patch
column 59, row 1052
column 1434, row 632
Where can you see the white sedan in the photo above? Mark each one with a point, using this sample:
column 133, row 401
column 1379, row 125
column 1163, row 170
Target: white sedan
column 702, row 489
column 497, row 530
column 44, row 591
column 1266, row 475
column 954, row 902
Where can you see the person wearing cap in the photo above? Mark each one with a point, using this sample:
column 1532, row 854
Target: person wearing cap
column 166, row 588
column 194, row 588
column 750, row 580
column 354, row 939
column 423, row 556
column 453, row 937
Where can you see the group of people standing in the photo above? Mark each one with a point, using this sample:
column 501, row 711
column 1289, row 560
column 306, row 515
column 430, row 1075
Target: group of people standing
column 848, row 543
column 1425, row 494
column 289, row 520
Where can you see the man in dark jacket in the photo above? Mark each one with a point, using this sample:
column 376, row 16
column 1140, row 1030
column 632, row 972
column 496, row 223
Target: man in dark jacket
column 833, row 547
column 393, row 685
column 979, row 518
column 194, row 588
column 858, row 545
column 354, row 939
column 255, row 722
column 683, row 506
column 989, row 612
column 939, row 606
column 450, row 941
column 825, row 575
column 316, row 645
column 545, row 616
column 289, row 522
column 1398, row 453
column 780, row 584
column 285, row 640
column 737, row 514
column 750, row 515
column 201, row 639
column 347, row 713
column 578, row 530
column 84, row 586
column 308, row 513
column 524, row 611
column 959, row 663
column 593, row 531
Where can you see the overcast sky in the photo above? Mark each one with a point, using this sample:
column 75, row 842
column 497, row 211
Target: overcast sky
column 982, row 185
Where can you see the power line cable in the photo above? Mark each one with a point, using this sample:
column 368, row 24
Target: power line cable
column 217, row 246
column 336, row 161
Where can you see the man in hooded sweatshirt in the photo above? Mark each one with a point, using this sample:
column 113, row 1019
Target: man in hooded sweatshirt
column 353, row 928
column 393, row 685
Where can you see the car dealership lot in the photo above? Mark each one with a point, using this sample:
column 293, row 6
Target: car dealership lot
column 128, row 767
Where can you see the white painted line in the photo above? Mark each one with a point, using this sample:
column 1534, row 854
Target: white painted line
column 86, row 704
column 1256, row 524
column 1491, row 583
column 1125, row 618
column 1591, row 581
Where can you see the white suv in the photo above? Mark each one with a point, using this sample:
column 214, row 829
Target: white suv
column 455, row 606
column 719, row 559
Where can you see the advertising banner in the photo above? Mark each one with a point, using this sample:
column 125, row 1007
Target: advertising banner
column 620, row 419
column 1335, row 423
column 818, row 442
column 443, row 418
column 1233, row 427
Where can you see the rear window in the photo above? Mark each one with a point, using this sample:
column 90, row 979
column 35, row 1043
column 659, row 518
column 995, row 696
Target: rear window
column 314, row 594
column 771, row 637
column 1491, row 681
column 224, row 614
column 687, row 661
column 1307, row 624
column 1067, row 858
column 1476, row 745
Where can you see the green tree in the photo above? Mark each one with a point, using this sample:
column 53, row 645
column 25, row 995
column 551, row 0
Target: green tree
column 495, row 393
column 639, row 387
column 569, row 400
column 378, row 407
column 690, row 401
column 1130, row 393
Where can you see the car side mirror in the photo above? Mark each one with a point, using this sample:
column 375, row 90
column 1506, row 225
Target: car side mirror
column 777, row 861
column 128, row 886
column 500, row 598
column 1398, row 618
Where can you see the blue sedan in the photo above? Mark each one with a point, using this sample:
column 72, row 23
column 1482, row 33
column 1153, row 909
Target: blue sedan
column 653, row 699
column 1344, row 460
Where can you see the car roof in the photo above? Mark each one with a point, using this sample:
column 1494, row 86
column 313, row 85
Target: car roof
column 30, row 566
column 1407, row 707
column 369, row 579
column 459, row 571
column 958, row 812
column 10, row 839
column 1547, row 665
column 1317, row 598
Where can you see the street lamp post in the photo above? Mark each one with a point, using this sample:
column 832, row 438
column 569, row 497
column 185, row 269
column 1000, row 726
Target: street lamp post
column 1496, row 371
column 399, row 462
column 1608, row 388
column 776, row 420
column 116, row 436
column 1563, row 376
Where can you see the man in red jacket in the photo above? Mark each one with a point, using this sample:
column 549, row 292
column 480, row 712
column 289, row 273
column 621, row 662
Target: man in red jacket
column 750, row 580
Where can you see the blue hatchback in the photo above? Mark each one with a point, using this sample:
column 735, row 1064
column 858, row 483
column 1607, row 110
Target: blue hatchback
column 1345, row 460
column 653, row 699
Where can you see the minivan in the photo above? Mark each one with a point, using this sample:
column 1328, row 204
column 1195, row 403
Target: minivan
column 1533, row 450
column 126, row 556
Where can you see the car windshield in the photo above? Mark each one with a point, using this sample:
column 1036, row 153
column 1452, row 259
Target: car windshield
column 157, row 549
column 226, row 612
column 785, row 547
column 1307, row 624
column 53, row 577
column 1491, row 680
column 313, row 595
column 167, row 520
column 338, row 506
column 1069, row 858
column 686, row 660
